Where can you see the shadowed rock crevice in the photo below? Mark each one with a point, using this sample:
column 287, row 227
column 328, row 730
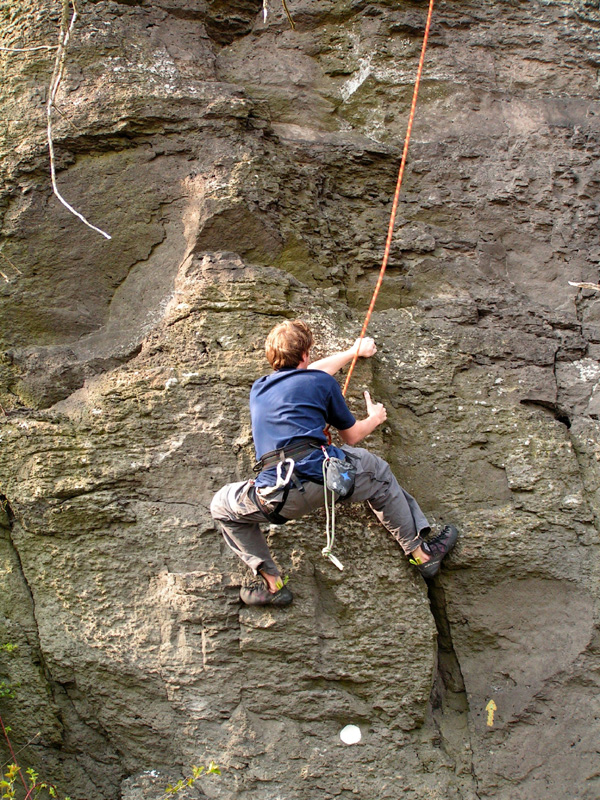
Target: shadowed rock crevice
column 9, row 519
column 449, row 701
column 46, row 730
column 559, row 414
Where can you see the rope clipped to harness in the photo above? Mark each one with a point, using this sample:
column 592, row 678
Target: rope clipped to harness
column 329, row 517
column 338, row 481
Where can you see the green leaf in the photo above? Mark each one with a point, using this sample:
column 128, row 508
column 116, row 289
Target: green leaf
column 33, row 777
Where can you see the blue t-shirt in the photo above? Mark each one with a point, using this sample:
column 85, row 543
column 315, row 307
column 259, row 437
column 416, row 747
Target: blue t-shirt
column 292, row 404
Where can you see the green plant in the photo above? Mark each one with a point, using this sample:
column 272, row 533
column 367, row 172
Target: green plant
column 211, row 769
column 8, row 783
column 7, row 689
column 33, row 786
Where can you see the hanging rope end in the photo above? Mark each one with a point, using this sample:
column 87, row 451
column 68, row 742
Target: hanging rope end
column 328, row 554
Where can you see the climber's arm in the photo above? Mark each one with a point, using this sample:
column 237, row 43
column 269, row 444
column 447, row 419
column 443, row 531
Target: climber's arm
column 376, row 414
column 332, row 364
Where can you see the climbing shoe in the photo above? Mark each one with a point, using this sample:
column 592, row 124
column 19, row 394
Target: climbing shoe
column 438, row 548
column 257, row 594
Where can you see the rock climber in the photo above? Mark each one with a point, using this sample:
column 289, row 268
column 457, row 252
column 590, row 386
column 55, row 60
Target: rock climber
column 290, row 409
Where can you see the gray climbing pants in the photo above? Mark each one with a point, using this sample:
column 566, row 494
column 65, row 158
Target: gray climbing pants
column 234, row 507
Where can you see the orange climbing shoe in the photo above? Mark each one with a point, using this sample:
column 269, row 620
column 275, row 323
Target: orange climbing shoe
column 438, row 547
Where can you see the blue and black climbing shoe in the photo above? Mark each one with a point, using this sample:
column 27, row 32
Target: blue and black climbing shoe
column 438, row 548
column 258, row 594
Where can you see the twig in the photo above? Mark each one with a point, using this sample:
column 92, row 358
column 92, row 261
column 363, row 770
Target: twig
column 14, row 266
column 30, row 49
column 594, row 286
column 12, row 752
column 33, row 738
column 65, row 118
column 288, row 15
column 285, row 8
column 66, row 28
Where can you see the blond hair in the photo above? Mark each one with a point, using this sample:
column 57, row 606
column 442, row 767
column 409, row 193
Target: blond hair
column 287, row 343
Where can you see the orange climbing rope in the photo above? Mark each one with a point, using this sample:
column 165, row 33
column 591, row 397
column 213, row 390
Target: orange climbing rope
column 388, row 243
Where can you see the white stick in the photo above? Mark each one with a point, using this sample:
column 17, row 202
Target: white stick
column 59, row 64
column 585, row 285
column 29, row 49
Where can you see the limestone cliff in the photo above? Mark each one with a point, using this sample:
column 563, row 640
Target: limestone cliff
column 245, row 171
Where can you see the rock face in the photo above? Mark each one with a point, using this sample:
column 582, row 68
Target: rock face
column 245, row 171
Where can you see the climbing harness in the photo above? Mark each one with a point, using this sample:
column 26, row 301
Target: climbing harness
column 388, row 244
column 338, row 480
column 296, row 451
column 282, row 481
column 271, row 499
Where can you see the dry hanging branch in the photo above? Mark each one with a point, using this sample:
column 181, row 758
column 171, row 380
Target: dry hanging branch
column 29, row 49
column 66, row 27
column 288, row 15
column 594, row 286
column 14, row 266
column 285, row 8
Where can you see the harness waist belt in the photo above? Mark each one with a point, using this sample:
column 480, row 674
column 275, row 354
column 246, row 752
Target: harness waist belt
column 294, row 451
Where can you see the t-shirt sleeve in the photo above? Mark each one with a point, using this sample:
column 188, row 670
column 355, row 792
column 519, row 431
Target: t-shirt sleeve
column 338, row 413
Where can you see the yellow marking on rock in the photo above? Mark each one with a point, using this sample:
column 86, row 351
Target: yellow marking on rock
column 490, row 708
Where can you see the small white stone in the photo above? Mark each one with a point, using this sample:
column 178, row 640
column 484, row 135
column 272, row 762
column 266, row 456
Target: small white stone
column 350, row 734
